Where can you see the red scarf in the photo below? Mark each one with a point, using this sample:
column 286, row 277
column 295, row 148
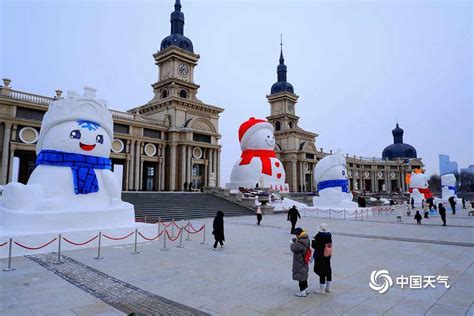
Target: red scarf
column 264, row 156
column 426, row 192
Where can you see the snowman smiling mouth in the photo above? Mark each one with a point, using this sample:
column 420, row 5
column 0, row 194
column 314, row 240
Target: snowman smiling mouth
column 86, row 147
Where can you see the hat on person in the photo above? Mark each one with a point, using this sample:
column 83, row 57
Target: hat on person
column 323, row 227
column 298, row 231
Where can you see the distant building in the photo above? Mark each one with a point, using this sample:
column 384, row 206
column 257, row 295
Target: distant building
column 446, row 166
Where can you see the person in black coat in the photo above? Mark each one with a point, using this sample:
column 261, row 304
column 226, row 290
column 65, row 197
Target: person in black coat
column 361, row 201
column 412, row 202
column 442, row 213
column 293, row 216
column 322, row 264
column 452, row 202
column 418, row 217
column 218, row 229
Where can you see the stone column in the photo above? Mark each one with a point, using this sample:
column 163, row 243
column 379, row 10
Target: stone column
column 214, row 161
column 127, row 164
column 189, row 164
column 218, row 168
column 163, row 168
column 211, row 160
column 140, row 177
column 172, row 168
column 10, row 163
column 130, row 172
column 183, row 166
column 206, row 172
column 294, row 176
column 137, row 165
column 5, row 149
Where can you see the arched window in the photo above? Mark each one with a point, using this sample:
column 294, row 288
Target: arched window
column 164, row 93
column 291, row 124
column 277, row 125
column 183, row 94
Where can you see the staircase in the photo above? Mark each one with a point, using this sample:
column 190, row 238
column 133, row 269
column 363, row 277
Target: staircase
column 180, row 206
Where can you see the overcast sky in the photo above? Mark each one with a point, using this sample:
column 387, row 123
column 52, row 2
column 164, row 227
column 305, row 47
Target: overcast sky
column 357, row 66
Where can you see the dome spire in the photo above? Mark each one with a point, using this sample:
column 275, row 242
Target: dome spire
column 177, row 19
column 281, row 84
column 397, row 133
column 177, row 38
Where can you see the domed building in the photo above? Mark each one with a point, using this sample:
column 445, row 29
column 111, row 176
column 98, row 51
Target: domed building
column 398, row 149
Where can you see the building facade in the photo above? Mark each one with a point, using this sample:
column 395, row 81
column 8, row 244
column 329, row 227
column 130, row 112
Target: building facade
column 297, row 150
column 171, row 140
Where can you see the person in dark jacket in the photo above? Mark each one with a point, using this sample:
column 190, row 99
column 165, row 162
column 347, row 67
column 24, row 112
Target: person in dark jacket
column 293, row 216
column 442, row 213
column 218, row 229
column 185, row 186
column 361, row 201
column 322, row 264
column 300, row 268
column 412, row 202
column 452, row 202
column 463, row 201
column 259, row 215
column 418, row 217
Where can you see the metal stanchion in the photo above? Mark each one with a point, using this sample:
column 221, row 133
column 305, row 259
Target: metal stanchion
column 189, row 227
column 9, row 268
column 98, row 249
column 204, row 235
column 367, row 214
column 356, row 214
column 59, row 250
column 159, row 225
column 362, row 215
column 136, row 241
column 181, row 238
column 145, row 218
column 172, row 228
column 344, row 214
column 329, row 213
column 317, row 213
column 164, row 241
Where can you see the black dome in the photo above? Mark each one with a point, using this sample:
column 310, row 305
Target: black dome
column 177, row 40
column 281, row 86
column 399, row 151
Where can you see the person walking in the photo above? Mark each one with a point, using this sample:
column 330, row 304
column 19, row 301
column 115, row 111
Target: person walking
column 322, row 245
column 293, row 216
column 185, row 186
column 259, row 215
column 463, row 201
column 218, row 229
column 361, row 201
column 418, row 217
column 408, row 207
column 412, row 202
column 452, row 202
column 426, row 210
column 299, row 247
column 442, row 213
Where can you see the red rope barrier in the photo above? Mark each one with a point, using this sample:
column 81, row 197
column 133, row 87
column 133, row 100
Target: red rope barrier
column 80, row 243
column 177, row 236
column 35, row 248
column 174, row 223
column 169, row 224
column 119, row 238
column 6, row 242
column 151, row 239
column 195, row 231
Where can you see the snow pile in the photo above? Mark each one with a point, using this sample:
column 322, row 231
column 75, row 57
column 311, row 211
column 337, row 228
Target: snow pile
column 286, row 204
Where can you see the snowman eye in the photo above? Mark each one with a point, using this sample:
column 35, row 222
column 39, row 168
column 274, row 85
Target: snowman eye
column 99, row 139
column 75, row 134
column 343, row 172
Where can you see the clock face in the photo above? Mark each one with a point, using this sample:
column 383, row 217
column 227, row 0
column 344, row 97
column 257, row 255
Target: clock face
column 290, row 107
column 183, row 70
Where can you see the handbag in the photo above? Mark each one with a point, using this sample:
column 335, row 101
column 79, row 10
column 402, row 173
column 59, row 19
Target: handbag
column 327, row 250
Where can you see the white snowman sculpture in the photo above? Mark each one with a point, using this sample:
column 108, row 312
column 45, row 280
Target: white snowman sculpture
column 72, row 186
column 448, row 186
column 258, row 163
column 331, row 181
column 419, row 187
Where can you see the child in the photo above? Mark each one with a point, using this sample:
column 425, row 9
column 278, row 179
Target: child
column 418, row 217
column 259, row 215
column 300, row 268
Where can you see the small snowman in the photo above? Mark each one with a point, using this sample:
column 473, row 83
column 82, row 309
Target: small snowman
column 419, row 188
column 448, row 186
column 332, row 183
column 73, row 171
column 258, row 163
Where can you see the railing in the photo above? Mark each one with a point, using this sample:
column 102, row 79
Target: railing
column 122, row 115
column 30, row 97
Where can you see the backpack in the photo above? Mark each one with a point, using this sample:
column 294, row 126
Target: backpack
column 307, row 255
column 327, row 250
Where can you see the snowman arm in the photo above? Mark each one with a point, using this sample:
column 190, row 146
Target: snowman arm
column 111, row 184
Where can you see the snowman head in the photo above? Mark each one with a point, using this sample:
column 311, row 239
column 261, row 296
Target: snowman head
column 418, row 181
column 448, row 179
column 78, row 124
column 331, row 167
column 78, row 137
column 256, row 134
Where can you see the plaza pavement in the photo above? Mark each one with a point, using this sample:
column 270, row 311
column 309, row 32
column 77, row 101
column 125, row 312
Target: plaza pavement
column 251, row 275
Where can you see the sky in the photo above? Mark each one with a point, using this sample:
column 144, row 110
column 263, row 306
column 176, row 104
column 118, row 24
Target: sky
column 358, row 67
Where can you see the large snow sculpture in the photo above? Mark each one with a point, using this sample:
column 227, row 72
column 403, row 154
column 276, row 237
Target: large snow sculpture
column 331, row 180
column 258, row 163
column 448, row 186
column 72, row 186
column 419, row 188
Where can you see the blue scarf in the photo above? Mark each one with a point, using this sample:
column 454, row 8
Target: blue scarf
column 344, row 184
column 450, row 187
column 82, row 167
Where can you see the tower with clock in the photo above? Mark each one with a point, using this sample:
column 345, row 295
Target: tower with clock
column 295, row 146
column 192, row 151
